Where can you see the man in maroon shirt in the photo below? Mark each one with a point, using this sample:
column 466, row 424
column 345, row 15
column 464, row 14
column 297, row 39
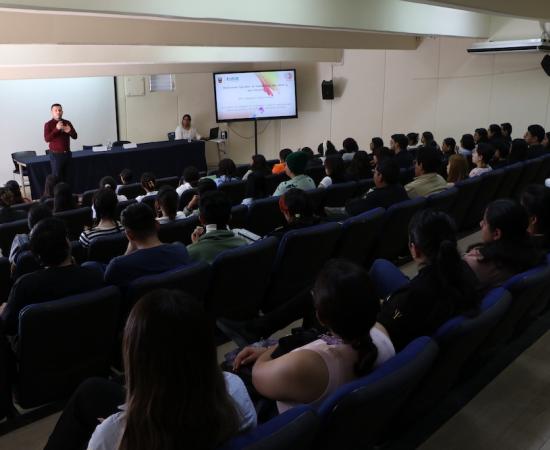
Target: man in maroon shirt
column 58, row 133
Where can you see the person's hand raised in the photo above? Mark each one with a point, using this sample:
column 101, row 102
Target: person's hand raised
column 199, row 231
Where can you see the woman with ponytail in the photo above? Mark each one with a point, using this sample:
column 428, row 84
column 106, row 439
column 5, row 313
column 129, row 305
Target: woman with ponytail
column 346, row 305
column 443, row 288
column 149, row 185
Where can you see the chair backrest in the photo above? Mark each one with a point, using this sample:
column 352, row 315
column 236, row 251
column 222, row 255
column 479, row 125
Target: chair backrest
column 544, row 170
column 529, row 174
column 394, row 239
column 23, row 206
column 131, row 190
column 512, row 174
column 5, row 278
column 192, row 279
column 363, row 186
column 443, row 201
column 234, row 190
column 6, row 402
column 103, row 249
column 359, row 236
column 339, row 194
column 76, row 220
column 241, row 170
column 264, row 216
column 406, row 175
column 8, row 232
column 359, row 413
column 239, row 215
column 300, row 256
column 272, row 181
column 63, row 342
column 185, row 198
column 168, row 181
column 317, row 198
column 26, row 263
column 467, row 191
column 458, row 340
column 530, row 292
column 316, row 173
column 150, row 201
column 240, row 278
column 18, row 155
column 87, row 197
column 295, row 429
column 179, row 230
column 490, row 183
column 121, row 206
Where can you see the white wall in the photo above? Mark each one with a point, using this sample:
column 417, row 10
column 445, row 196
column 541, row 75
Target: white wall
column 89, row 103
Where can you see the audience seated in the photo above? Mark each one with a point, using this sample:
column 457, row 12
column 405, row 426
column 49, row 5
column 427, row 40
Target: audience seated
column 20, row 242
column 281, row 165
column 171, row 371
column 149, row 185
column 63, row 198
column 60, row 277
column 189, row 180
column 226, row 172
column 412, row 141
column 347, row 306
column 518, row 151
column 312, row 160
column 15, row 189
column 427, row 181
column 507, row 132
column 259, row 165
column 536, row 200
column 146, row 254
column 500, row 158
column 376, row 143
column 295, row 167
column 448, row 148
column 457, row 169
column 296, row 207
column 359, row 169
column 167, row 205
column 110, row 183
column 126, row 177
column 467, row 145
column 398, row 143
column 481, row 136
column 256, row 187
column 386, row 192
column 428, row 140
column 49, row 185
column 481, row 157
column 214, row 236
column 495, row 136
column 534, row 136
column 7, row 213
column 350, row 147
column 444, row 287
column 335, row 171
column 506, row 248
column 204, row 185
column 104, row 203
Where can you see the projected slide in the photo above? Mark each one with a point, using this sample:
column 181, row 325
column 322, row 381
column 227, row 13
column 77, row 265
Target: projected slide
column 255, row 95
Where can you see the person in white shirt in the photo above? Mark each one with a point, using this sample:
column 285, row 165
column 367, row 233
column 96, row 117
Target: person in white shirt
column 189, row 180
column 335, row 171
column 185, row 131
column 481, row 157
column 149, row 185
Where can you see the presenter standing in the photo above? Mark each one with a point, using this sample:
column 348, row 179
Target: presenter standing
column 184, row 131
column 58, row 133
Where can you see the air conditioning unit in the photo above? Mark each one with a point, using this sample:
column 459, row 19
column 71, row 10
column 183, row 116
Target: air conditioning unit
column 521, row 46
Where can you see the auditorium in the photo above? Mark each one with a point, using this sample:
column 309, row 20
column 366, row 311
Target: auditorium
column 300, row 225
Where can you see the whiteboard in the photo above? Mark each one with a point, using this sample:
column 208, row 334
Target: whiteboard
column 89, row 103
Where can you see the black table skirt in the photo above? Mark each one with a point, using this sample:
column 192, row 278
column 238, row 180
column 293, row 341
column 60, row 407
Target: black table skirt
column 164, row 159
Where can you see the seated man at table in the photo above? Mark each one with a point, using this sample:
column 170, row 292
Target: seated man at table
column 146, row 254
column 214, row 236
column 60, row 277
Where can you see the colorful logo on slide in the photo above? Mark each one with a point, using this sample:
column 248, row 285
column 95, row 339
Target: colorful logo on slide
column 220, row 79
column 269, row 82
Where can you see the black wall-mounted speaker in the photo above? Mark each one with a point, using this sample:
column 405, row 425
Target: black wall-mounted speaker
column 327, row 90
column 545, row 63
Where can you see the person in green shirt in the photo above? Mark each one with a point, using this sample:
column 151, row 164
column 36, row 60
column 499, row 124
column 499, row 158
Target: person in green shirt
column 214, row 236
column 295, row 166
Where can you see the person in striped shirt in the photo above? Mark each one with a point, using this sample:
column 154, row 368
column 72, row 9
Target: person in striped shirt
column 105, row 203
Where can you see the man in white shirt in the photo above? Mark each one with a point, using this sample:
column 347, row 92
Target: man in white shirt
column 184, row 131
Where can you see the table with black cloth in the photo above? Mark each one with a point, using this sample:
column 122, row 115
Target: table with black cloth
column 87, row 167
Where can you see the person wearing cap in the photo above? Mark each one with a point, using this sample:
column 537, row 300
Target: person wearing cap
column 295, row 166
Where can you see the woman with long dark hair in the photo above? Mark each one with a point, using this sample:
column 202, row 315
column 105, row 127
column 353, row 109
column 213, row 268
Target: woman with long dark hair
column 345, row 303
column 506, row 248
column 359, row 168
column 176, row 395
column 335, row 171
column 259, row 165
column 444, row 287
